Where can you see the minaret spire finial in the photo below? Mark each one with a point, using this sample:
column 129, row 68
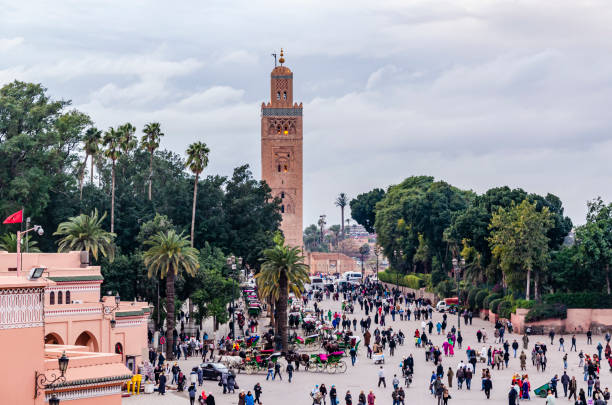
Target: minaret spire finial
column 282, row 59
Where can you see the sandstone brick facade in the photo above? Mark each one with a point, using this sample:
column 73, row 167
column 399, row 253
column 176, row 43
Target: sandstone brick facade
column 281, row 151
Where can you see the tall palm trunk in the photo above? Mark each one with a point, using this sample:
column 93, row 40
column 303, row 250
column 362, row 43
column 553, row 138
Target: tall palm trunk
column 193, row 210
column 608, row 278
column 151, row 179
column 528, row 284
column 91, row 171
column 170, row 315
column 282, row 308
column 342, row 221
column 271, row 313
column 81, row 176
column 113, row 200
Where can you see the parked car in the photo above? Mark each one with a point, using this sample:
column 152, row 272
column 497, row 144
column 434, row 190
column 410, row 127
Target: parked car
column 213, row 371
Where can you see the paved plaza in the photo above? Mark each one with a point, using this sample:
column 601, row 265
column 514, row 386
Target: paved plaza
column 363, row 376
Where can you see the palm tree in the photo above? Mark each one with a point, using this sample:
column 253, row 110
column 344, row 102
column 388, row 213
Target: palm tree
column 127, row 139
column 85, row 233
column 197, row 160
column 321, row 224
column 8, row 242
column 150, row 142
column 168, row 255
column 91, row 145
column 111, row 141
column 342, row 201
column 283, row 269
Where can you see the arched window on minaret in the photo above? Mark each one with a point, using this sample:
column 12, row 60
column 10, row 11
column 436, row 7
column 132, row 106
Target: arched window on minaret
column 282, row 194
column 279, row 168
column 278, row 95
column 284, row 95
column 283, row 209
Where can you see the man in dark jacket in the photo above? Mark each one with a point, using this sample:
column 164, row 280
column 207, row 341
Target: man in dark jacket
column 512, row 396
column 488, row 386
column 565, row 382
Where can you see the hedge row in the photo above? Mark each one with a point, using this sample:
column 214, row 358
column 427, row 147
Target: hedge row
column 541, row 311
column 410, row 280
column 580, row 300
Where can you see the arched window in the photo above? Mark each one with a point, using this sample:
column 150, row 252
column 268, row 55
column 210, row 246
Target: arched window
column 52, row 298
column 59, row 297
column 278, row 95
column 284, row 95
column 68, row 297
column 278, row 129
column 282, row 194
column 283, row 209
column 279, row 168
column 285, row 168
column 286, row 131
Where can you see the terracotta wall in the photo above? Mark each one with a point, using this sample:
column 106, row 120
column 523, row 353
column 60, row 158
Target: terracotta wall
column 578, row 320
column 22, row 355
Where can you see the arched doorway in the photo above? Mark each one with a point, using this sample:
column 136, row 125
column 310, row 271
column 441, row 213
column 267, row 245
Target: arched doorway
column 53, row 339
column 87, row 339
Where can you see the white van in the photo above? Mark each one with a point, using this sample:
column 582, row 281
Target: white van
column 352, row 276
column 316, row 283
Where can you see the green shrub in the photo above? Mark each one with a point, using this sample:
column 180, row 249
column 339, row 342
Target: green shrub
column 580, row 300
column 446, row 288
column 505, row 309
column 480, row 297
column 527, row 304
column 493, row 305
column 487, row 301
column 542, row 311
column 412, row 281
column 472, row 293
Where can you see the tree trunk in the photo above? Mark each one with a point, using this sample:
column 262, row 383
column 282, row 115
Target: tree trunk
column 282, row 308
column 536, row 294
column 170, row 315
column 271, row 314
column 151, row 177
column 342, row 222
column 91, row 171
column 81, row 176
column 528, row 284
column 193, row 209
column 608, row 278
column 113, row 201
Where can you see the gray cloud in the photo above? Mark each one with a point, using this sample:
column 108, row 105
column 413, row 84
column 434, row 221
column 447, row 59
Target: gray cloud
column 476, row 93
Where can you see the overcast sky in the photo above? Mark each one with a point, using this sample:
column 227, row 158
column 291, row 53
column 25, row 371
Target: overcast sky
column 478, row 93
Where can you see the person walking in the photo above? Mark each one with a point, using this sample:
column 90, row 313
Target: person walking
column 348, row 399
column 353, row 353
column 561, row 344
column 488, row 386
column 450, row 374
column 333, row 395
column 270, row 370
column 192, row 394
column 277, row 371
column 573, row 346
column 248, row 399
column 573, row 385
column 515, row 347
column 550, row 399
column 512, row 396
column 290, row 370
column 381, row 377
column 257, row 389
column 565, row 380
column 371, row 398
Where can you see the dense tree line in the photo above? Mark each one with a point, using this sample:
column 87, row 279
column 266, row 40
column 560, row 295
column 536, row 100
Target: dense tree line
column 56, row 165
column 508, row 239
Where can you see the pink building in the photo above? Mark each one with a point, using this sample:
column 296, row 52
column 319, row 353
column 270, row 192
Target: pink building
column 30, row 365
column 63, row 311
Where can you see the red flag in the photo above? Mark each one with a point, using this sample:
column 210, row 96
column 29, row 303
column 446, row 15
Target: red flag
column 15, row 218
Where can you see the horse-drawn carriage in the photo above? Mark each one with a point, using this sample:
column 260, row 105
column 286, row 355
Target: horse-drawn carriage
column 259, row 361
column 330, row 363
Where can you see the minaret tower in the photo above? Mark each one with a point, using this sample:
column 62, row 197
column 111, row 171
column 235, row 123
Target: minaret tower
column 281, row 150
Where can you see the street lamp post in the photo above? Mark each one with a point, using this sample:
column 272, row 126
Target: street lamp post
column 42, row 382
column 457, row 266
column 36, row 228
column 231, row 263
